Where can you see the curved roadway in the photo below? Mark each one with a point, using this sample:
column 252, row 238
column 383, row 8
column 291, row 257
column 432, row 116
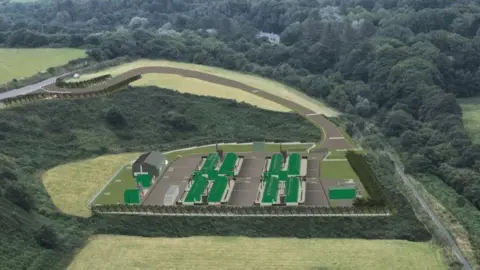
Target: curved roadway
column 333, row 137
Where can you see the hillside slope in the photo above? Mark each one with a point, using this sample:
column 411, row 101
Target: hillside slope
column 39, row 136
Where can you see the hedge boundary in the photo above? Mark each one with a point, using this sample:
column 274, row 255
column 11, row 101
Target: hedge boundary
column 368, row 178
column 229, row 210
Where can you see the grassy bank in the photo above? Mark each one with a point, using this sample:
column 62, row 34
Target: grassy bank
column 254, row 81
column 20, row 63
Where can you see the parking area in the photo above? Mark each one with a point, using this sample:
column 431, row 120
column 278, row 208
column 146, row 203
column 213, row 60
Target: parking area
column 315, row 194
column 247, row 182
column 248, row 179
column 177, row 174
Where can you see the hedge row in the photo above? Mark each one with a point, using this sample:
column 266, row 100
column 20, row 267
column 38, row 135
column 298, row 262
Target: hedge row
column 368, row 178
column 234, row 210
column 82, row 84
column 43, row 95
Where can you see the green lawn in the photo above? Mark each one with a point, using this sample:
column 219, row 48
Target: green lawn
column 341, row 154
column 471, row 117
column 334, row 170
column 113, row 192
column 21, row 63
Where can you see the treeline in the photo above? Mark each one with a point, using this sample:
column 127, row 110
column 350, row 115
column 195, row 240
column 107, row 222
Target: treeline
column 82, row 84
column 369, row 180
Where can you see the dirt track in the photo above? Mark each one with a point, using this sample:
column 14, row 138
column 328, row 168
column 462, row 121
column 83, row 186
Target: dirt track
column 333, row 139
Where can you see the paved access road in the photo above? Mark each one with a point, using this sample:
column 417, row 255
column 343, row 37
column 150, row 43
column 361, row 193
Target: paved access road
column 333, row 139
column 29, row 88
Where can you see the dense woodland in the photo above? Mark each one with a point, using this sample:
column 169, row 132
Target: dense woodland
column 399, row 64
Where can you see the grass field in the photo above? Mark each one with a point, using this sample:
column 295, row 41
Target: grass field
column 341, row 154
column 336, row 155
column 199, row 87
column 471, row 117
column 334, row 170
column 89, row 176
column 21, row 63
column 128, row 252
column 254, row 81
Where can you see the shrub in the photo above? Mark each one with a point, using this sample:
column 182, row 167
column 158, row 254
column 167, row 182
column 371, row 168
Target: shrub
column 17, row 194
column 115, row 118
column 47, row 237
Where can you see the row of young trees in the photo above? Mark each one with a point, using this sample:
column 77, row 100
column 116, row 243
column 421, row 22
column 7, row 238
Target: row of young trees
column 234, row 210
column 23, row 99
column 82, row 84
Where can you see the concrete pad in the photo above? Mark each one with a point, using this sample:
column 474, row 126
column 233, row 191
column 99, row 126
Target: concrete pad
column 315, row 195
column 244, row 194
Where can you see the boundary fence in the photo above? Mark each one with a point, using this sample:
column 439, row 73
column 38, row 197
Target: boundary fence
column 240, row 211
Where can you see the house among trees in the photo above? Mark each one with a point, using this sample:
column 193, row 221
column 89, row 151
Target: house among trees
column 152, row 162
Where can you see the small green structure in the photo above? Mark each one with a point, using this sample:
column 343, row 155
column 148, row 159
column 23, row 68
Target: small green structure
column 228, row 165
column 271, row 190
column 210, row 162
column 198, row 186
column 217, row 190
column 342, row 193
column 292, row 186
column 294, row 164
column 131, row 196
column 144, row 180
column 276, row 163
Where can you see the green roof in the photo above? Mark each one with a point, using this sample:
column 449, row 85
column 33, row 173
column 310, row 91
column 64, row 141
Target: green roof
column 144, row 179
column 210, row 162
column 339, row 193
column 218, row 188
column 228, row 164
column 196, row 191
column 291, row 190
column 271, row 190
column 294, row 164
column 276, row 163
column 131, row 196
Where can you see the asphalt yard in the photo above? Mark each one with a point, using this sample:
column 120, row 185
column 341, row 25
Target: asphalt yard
column 248, row 179
column 315, row 195
column 177, row 174
column 246, row 183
